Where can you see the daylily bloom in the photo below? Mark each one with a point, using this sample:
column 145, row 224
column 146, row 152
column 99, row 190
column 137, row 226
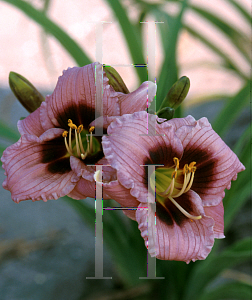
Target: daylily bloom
column 57, row 145
column 193, row 168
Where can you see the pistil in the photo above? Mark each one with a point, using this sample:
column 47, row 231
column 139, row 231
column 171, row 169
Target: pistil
column 184, row 212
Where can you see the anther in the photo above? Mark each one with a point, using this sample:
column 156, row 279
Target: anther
column 71, row 124
column 192, row 164
column 176, row 162
column 80, row 128
column 185, row 169
column 69, row 150
column 91, row 129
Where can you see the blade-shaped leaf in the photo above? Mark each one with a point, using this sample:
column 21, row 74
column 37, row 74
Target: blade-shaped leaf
column 240, row 191
column 239, row 40
column 236, row 202
column 230, row 290
column 169, row 31
column 228, row 63
column 245, row 138
column 241, row 9
column 231, row 110
column 132, row 36
column 66, row 41
column 122, row 238
column 206, row 271
column 8, row 133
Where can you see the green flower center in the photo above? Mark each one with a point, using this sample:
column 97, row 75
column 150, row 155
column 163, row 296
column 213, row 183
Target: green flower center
column 172, row 183
column 83, row 143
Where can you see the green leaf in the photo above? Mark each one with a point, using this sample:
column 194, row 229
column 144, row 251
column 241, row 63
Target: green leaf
column 206, row 271
column 132, row 36
column 240, row 190
column 8, row 133
column 50, row 27
column 169, row 32
column 245, row 138
column 228, row 63
column 231, row 110
column 240, row 8
column 1, row 152
column 86, row 212
column 239, row 40
column 230, row 290
column 235, row 203
column 121, row 237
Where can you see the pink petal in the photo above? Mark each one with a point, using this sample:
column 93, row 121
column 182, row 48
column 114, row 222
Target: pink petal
column 127, row 148
column 31, row 124
column 216, row 163
column 114, row 190
column 74, row 98
column 137, row 100
column 83, row 189
column 179, row 238
column 36, row 168
column 179, row 122
column 216, row 213
column 118, row 192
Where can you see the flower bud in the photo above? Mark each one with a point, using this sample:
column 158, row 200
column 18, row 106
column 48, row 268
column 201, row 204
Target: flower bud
column 177, row 93
column 166, row 113
column 115, row 80
column 25, row 92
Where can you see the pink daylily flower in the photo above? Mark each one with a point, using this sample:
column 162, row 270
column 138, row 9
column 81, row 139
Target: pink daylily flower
column 53, row 156
column 194, row 168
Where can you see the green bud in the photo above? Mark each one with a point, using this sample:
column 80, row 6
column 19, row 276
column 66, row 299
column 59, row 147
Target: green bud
column 115, row 80
column 177, row 93
column 166, row 113
column 25, row 92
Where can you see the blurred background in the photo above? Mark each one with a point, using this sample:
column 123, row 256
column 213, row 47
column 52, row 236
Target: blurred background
column 46, row 250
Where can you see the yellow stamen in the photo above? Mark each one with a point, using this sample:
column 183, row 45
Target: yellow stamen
column 79, row 129
column 176, row 189
column 174, row 175
column 184, row 212
column 81, row 146
column 78, row 140
column 192, row 164
column 71, row 124
column 185, row 169
column 186, row 179
column 77, row 143
column 176, row 162
column 190, row 184
column 70, row 139
column 91, row 129
column 64, row 134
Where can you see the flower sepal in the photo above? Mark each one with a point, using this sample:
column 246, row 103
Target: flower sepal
column 115, row 80
column 166, row 113
column 25, row 92
column 177, row 93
